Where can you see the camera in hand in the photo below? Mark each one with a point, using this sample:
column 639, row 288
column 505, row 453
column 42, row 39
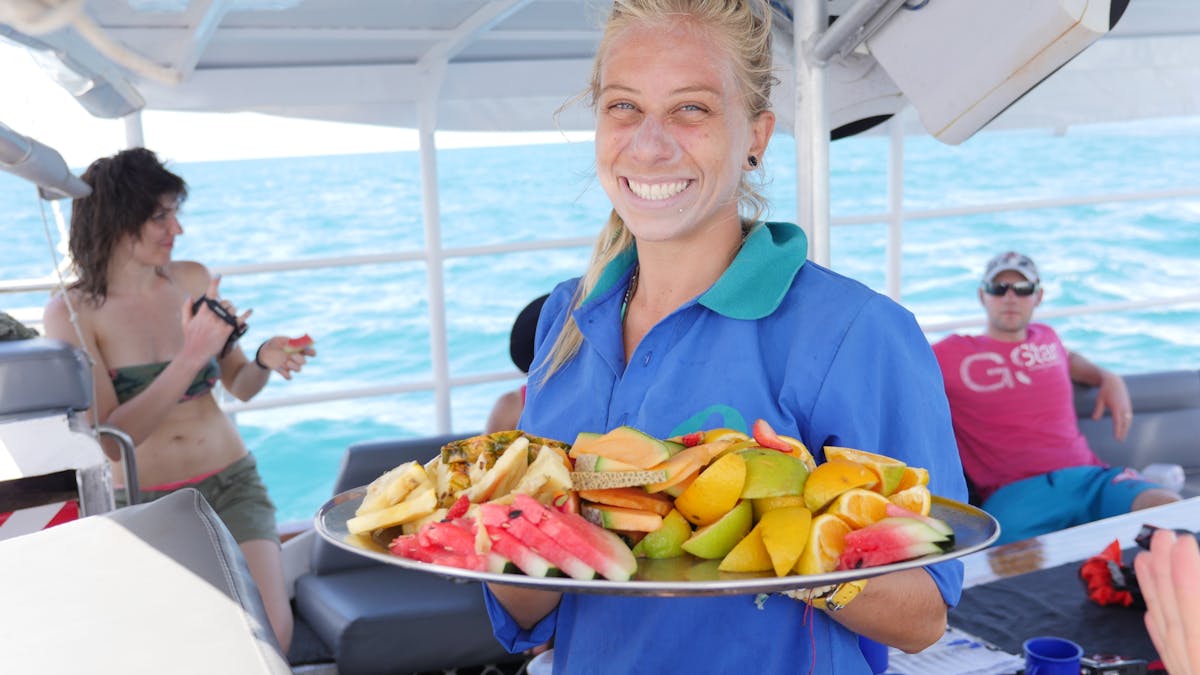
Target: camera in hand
column 239, row 329
column 1111, row 664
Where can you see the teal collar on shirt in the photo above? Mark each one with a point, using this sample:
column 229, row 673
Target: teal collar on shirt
column 754, row 283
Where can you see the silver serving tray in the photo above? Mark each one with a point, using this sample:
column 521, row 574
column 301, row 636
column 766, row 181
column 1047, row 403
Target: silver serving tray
column 974, row 530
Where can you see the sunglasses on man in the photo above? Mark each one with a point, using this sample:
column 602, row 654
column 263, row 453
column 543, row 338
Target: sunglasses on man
column 1023, row 289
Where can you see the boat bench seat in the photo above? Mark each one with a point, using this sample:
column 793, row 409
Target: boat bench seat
column 52, row 466
column 1166, row 424
column 377, row 618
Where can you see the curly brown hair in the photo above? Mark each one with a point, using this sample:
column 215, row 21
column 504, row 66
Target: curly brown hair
column 127, row 188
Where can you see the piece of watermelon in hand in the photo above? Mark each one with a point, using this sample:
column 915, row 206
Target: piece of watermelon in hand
column 297, row 345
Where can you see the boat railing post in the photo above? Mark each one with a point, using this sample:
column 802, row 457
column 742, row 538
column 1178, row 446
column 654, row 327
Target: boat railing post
column 895, row 235
column 811, row 129
column 434, row 258
column 128, row 459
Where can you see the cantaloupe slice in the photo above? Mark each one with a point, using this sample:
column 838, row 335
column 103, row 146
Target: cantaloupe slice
column 630, row 498
column 624, row 444
column 599, row 480
column 681, row 466
column 620, row 518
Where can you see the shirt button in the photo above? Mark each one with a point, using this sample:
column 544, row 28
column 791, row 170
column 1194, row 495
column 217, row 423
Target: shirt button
column 646, row 359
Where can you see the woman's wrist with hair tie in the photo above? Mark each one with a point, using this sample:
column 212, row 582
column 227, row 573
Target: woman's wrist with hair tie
column 258, row 357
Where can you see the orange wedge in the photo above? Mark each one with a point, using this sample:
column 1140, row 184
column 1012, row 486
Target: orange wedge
column 722, row 434
column 916, row 498
column 800, row 451
column 913, row 476
column 889, row 470
column 859, row 507
column 826, row 539
column 833, row 478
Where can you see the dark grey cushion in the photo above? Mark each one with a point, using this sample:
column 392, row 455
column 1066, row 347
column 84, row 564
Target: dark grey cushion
column 384, row 619
column 1166, row 425
column 43, row 375
column 377, row 618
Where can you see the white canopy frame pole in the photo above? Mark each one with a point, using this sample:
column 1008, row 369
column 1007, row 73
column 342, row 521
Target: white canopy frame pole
column 895, row 222
column 434, row 257
column 135, row 134
column 811, row 130
column 434, row 65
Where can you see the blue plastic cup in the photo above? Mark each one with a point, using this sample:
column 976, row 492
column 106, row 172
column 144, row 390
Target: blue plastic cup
column 1052, row 656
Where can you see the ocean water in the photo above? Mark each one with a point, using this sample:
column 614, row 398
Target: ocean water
column 371, row 322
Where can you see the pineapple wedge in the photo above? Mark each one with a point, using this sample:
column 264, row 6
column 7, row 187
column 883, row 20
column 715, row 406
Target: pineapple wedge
column 418, row 504
column 504, row 474
column 545, row 477
column 392, row 487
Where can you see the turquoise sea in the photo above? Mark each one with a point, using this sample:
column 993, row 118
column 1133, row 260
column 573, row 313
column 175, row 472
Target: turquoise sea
column 371, row 322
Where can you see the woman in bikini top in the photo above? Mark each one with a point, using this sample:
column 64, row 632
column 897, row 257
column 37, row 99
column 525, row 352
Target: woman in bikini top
column 157, row 353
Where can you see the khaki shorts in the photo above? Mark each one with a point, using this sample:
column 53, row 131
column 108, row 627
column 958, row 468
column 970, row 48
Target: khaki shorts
column 238, row 496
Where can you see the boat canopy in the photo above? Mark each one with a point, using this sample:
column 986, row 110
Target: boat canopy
column 509, row 65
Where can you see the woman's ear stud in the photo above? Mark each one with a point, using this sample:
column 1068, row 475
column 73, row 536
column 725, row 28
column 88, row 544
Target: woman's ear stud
column 753, row 161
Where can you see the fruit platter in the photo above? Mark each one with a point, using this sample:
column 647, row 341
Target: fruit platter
column 713, row 512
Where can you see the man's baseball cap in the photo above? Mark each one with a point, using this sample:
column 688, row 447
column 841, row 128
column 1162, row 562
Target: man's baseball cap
column 1011, row 260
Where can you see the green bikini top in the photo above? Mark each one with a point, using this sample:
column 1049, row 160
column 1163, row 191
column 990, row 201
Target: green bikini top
column 133, row 380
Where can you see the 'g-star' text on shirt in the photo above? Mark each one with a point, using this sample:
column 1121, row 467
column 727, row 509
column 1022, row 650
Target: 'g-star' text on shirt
column 989, row 371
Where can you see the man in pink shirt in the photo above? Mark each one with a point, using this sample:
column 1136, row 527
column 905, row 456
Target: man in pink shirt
column 1012, row 406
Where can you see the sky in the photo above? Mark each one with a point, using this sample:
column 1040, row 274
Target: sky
column 35, row 106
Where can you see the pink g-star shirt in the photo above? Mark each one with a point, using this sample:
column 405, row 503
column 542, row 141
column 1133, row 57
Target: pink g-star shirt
column 1012, row 407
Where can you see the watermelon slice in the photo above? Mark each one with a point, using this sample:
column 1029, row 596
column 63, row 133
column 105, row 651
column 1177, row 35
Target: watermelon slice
column 297, row 345
column 500, row 516
column 600, row 549
column 406, row 546
column 890, row 540
column 452, row 535
column 521, row 555
column 410, row 546
column 936, row 523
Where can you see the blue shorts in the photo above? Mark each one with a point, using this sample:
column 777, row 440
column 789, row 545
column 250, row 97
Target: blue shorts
column 1064, row 498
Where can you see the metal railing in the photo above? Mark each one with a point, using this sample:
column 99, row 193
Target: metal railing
column 894, row 218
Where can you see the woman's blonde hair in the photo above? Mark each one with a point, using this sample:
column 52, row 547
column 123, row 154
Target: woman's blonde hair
column 743, row 29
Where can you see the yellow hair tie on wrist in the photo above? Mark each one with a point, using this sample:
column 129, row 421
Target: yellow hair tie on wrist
column 840, row 596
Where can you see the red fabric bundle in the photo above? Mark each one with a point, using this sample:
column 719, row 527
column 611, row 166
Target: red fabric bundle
column 1108, row 582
